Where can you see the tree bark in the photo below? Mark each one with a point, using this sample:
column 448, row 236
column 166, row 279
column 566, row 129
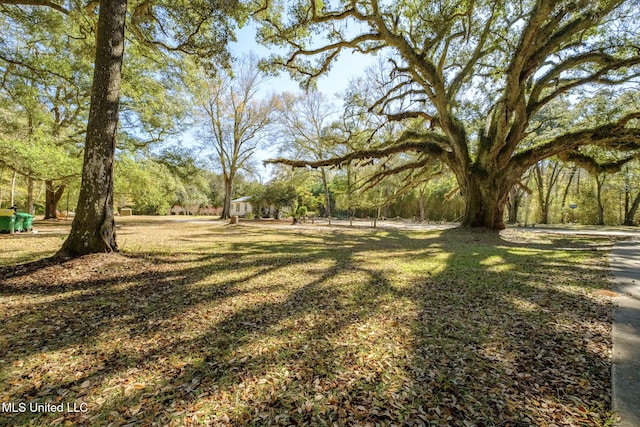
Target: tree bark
column 486, row 197
column 52, row 197
column 631, row 213
column 599, row 186
column 93, row 228
column 327, row 198
column 228, row 194
column 12, row 197
column 543, row 202
column 1, row 192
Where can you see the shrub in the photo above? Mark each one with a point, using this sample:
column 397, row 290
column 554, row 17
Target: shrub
column 301, row 212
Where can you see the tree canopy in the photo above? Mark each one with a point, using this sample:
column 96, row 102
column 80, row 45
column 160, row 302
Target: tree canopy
column 200, row 28
column 470, row 78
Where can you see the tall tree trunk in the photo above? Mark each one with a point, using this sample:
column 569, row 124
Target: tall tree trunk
column 631, row 213
column 1, row 187
column 483, row 211
column 627, row 198
column 52, row 197
column 12, row 196
column 327, row 197
column 599, row 185
column 565, row 194
column 93, row 228
column 30, row 204
column 228, row 194
column 350, row 179
column 421, row 194
column 542, row 200
column 546, row 178
column 515, row 196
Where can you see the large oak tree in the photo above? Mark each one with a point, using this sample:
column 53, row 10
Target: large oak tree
column 93, row 228
column 474, row 75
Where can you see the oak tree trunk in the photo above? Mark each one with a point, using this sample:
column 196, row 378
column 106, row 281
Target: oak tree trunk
column 93, row 228
column 485, row 197
column 631, row 213
column 52, row 197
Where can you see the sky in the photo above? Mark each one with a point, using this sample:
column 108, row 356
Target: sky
column 347, row 66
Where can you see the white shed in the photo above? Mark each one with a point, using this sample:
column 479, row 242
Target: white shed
column 241, row 206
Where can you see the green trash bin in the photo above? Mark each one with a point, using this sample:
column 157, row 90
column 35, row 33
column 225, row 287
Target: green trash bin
column 7, row 223
column 19, row 223
column 25, row 220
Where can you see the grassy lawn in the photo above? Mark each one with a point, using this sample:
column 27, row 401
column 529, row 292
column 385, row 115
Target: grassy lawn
column 209, row 324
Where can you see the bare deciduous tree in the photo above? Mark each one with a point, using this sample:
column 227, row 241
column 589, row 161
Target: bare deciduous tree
column 305, row 120
column 235, row 120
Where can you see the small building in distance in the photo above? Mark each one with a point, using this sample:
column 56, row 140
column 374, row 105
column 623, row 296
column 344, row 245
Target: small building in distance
column 241, row 206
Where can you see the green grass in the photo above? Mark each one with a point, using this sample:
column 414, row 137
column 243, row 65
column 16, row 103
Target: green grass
column 207, row 324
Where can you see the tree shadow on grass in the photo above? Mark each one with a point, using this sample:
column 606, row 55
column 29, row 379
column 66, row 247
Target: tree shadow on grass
column 518, row 340
column 347, row 327
column 25, row 268
column 157, row 299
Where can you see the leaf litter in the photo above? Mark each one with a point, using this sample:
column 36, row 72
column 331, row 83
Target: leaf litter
column 258, row 325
